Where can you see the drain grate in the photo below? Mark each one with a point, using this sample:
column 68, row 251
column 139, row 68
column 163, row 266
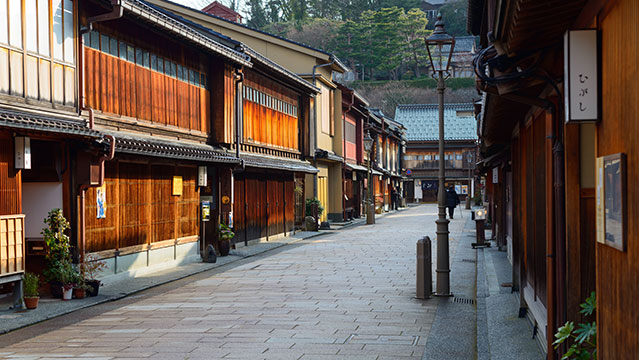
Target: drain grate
column 469, row 260
column 463, row 300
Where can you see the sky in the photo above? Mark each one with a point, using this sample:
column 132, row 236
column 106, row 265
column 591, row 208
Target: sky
column 199, row 4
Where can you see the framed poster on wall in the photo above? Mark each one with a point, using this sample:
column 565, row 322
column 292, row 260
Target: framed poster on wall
column 611, row 201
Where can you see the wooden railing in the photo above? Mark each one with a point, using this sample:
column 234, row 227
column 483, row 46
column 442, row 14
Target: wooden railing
column 12, row 244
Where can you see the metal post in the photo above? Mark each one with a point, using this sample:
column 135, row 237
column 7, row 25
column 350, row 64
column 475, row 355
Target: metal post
column 424, row 286
column 370, row 212
column 443, row 268
column 468, row 193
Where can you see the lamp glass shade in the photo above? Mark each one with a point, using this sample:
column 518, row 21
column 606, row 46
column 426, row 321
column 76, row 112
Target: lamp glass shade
column 440, row 47
column 368, row 142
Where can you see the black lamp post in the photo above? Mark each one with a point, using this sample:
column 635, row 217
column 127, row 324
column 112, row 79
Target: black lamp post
column 370, row 214
column 440, row 50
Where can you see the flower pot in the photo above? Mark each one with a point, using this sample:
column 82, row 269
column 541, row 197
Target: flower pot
column 78, row 293
column 224, row 247
column 67, row 294
column 56, row 289
column 94, row 286
column 31, row 302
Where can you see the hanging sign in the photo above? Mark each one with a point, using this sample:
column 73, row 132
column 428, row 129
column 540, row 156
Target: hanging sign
column 22, row 152
column 177, row 185
column 100, row 201
column 201, row 176
column 495, row 175
column 581, row 75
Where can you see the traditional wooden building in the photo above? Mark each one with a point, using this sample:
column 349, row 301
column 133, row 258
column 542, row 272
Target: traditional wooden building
column 163, row 91
column 355, row 115
column 559, row 186
column 422, row 155
column 388, row 145
column 199, row 120
column 322, row 143
column 44, row 144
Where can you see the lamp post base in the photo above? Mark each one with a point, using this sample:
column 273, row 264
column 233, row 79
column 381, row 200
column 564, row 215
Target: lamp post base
column 370, row 214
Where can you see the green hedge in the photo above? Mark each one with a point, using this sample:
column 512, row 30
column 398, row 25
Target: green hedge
column 423, row 82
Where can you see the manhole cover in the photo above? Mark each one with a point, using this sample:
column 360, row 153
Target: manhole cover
column 382, row 339
column 459, row 300
column 280, row 266
column 469, row 260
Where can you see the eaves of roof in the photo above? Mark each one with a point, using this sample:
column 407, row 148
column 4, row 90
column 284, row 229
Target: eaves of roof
column 274, row 163
column 168, row 21
column 49, row 123
column 239, row 46
column 144, row 145
column 326, row 55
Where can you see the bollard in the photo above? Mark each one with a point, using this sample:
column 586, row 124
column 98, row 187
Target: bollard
column 424, row 269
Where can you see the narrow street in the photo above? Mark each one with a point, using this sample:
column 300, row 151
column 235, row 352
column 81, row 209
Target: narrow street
column 348, row 295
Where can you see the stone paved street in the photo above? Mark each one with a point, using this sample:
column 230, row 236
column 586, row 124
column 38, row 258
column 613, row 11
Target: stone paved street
column 346, row 295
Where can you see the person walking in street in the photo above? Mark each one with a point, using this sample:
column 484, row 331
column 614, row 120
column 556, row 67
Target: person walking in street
column 452, row 200
column 393, row 198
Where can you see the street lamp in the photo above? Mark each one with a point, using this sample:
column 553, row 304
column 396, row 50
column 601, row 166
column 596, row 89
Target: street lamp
column 440, row 50
column 469, row 192
column 368, row 146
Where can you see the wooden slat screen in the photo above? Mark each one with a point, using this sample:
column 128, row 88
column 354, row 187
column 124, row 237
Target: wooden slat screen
column 10, row 182
column 131, row 86
column 270, row 113
column 11, row 244
column 140, row 207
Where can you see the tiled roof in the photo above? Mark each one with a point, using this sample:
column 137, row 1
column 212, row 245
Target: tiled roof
column 168, row 21
column 252, row 55
column 331, row 56
column 422, row 122
column 50, row 122
column 144, row 145
column 269, row 162
column 464, row 43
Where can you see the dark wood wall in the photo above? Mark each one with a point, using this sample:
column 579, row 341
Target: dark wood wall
column 264, row 206
column 10, row 181
column 140, row 207
column 617, row 283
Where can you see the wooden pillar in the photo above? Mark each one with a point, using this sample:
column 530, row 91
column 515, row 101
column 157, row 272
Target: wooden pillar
column 550, row 243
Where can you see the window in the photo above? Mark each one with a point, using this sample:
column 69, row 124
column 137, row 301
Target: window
column 428, row 157
column 325, row 108
column 154, row 62
column 37, row 50
column 436, row 157
column 122, row 50
column 459, row 157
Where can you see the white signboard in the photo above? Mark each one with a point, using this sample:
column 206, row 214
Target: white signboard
column 581, row 75
column 201, row 176
column 22, row 152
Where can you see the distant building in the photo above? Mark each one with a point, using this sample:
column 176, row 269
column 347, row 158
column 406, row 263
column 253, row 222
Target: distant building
column 223, row 11
column 421, row 159
column 465, row 49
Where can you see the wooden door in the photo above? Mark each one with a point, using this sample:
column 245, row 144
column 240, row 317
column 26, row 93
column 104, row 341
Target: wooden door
column 279, row 206
column 322, row 195
column 262, row 214
column 289, row 205
column 239, row 208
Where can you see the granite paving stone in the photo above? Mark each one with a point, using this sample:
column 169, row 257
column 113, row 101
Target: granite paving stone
column 348, row 294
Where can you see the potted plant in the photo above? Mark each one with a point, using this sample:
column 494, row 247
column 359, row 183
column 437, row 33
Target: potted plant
column 68, row 278
column 226, row 234
column 90, row 267
column 31, row 294
column 58, row 258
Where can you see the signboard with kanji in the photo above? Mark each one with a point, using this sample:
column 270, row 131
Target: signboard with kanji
column 581, row 75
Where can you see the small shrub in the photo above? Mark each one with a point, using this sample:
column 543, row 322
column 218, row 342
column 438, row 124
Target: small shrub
column 31, row 284
column 309, row 207
column 583, row 336
column 225, row 232
column 91, row 267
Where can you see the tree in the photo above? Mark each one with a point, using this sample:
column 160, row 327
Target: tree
column 454, row 15
column 257, row 14
column 413, row 31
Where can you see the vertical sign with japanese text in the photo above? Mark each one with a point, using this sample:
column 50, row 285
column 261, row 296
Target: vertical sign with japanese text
column 581, row 75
